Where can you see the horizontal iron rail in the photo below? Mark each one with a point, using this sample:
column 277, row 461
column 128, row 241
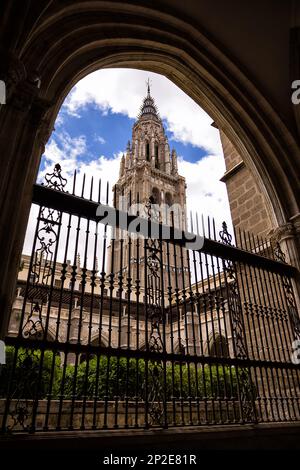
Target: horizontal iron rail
column 79, row 348
column 85, row 208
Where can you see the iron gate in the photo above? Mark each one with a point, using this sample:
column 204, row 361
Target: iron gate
column 132, row 332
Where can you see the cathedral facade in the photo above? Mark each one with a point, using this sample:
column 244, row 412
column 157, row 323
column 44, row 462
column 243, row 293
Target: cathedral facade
column 149, row 184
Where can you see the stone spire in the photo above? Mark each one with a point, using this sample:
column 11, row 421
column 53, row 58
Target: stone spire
column 149, row 146
column 148, row 109
column 174, row 162
column 122, row 166
column 128, row 156
column 149, row 172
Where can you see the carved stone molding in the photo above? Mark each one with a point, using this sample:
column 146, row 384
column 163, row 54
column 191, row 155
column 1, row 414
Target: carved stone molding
column 23, row 96
column 25, row 100
column 282, row 233
column 12, row 70
column 39, row 116
column 287, row 236
column 296, row 223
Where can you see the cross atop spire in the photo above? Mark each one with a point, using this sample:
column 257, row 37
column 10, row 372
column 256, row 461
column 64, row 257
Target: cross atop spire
column 148, row 108
column 148, row 83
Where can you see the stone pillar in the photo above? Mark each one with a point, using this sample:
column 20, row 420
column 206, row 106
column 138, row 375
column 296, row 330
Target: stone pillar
column 14, row 322
column 24, row 130
column 192, row 327
column 288, row 236
column 122, row 166
column 128, row 157
column 248, row 205
column 167, row 159
column 124, row 329
column 174, row 162
column 136, row 150
column 153, row 153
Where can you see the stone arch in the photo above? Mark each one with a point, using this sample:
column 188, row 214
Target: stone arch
column 156, row 155
column 147, row 150
column 95, row 342
column 92, row 50
column 156, row 195
column 179, row 347
column 104, row 340
column 217, row 345
column 44, row 72
column 142, row 347
column 51, row 333
column 168, row 199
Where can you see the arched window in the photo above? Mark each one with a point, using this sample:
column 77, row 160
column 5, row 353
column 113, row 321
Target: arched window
column 168, row 199
column 89, row 356
column 180, row 349
column 147, row 152
column 156, row 195
column 156, row 156
column 218, row 347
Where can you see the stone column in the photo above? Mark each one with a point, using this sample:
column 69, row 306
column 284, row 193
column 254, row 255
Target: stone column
column 288, row 236
column 167, row 159
column 24, row 130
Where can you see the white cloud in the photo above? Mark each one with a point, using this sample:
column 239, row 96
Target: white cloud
column 206, row 195
column 99, row 139
column 66, row 150
column 122, row 90
column 63, row 149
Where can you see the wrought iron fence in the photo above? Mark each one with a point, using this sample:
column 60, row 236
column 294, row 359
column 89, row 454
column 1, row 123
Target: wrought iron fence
column 139, row 332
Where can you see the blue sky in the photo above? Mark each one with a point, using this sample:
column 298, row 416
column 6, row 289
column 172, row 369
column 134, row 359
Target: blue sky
column 107, row 134
column 95, row 123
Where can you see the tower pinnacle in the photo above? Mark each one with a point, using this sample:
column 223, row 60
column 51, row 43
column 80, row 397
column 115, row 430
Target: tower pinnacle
column 148, row 109
column 148, row 87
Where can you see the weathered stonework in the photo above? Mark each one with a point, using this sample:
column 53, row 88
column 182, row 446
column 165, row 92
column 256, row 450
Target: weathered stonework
column 149, row 170
column 247, row 203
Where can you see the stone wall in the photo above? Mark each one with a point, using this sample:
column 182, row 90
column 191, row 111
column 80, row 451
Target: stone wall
column 129, row 414
column 248, row 205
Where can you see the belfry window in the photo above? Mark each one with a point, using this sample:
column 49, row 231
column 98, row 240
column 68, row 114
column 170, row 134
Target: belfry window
column 218, row 347
column 147, row 151
column 156, row 196
column 156, row 156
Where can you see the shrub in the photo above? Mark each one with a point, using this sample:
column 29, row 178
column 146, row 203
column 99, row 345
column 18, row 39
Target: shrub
column 110, row 377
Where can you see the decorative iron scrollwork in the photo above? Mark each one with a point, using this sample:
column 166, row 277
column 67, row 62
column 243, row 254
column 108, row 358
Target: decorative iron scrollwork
column 225, row 236
column 155, row 398
column 234, row 301
column 236, row 312
column 278, row 253
column 41, row 272
column 152, row 210
column 55, row 180
column 26, row 377
column 289, row 294
column 40, row 279
column 33, row 327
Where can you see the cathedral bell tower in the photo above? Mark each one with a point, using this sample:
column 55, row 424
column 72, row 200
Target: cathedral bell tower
column 149, row 171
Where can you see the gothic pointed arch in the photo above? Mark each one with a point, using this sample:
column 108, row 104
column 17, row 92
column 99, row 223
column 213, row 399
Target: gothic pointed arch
column 63, row 42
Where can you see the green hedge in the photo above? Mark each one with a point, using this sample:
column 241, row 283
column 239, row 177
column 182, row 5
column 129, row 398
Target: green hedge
column 119, row 377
